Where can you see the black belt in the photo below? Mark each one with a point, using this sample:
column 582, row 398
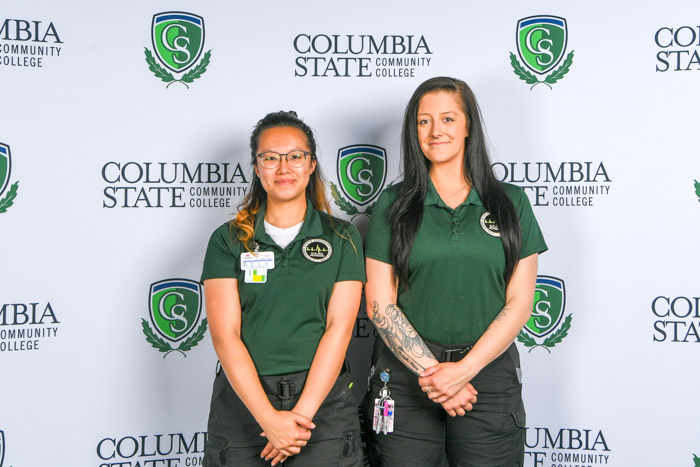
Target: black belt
column 288, row 386
column 448, row 353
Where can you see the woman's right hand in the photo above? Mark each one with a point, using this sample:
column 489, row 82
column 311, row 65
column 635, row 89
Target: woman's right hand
column 287, row 432
column 462, row 402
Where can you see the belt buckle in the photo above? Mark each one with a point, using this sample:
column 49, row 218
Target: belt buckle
column 458, row 354
column 447, row 355
column 286, row 389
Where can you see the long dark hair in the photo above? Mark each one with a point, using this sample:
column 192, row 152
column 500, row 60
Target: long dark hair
column 406, row 213
column 256, row 197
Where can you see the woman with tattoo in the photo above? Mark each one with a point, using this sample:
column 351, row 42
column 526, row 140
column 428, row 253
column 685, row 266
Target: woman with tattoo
column 282, row 283
column 451, row 269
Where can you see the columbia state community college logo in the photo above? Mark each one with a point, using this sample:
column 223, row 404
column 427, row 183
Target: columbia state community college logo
column 697, row 190
column 361, row 175
column 175, row 309
column 178, row 41
column 541, row 42
column 545, row 328
column 6, row 199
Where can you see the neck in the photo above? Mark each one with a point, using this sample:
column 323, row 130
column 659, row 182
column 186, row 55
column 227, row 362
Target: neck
column 285, row 214
column 450, row 183
column 447, row 177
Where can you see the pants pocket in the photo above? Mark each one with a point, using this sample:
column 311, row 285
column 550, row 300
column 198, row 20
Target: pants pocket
column 519, row 416
column 215, row 452
column 351, row 449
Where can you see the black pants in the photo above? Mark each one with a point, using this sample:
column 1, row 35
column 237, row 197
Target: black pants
column 492, row 434
column 234, row 435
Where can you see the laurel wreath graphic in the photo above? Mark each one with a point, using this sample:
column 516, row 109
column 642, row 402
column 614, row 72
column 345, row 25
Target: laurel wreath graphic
column 550, row 341
column 163, row 346
column 697, row 190
column 347, row 207
column 8, row 200
column 550, row 79
column 167, row 77
column 696, row 459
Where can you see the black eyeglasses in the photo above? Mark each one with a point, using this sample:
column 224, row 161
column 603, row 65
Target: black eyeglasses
column 272, row 160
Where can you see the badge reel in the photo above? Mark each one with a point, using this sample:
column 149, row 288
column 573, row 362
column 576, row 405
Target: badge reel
column 383, row 420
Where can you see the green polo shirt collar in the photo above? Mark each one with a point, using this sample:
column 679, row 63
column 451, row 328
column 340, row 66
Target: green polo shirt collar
column 433, row 198
column 312, row 226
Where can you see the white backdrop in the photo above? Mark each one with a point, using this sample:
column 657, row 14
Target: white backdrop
column 82, row 386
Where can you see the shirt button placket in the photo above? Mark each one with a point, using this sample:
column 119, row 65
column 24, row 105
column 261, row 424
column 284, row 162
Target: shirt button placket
column 285, row 269
column 455, row 226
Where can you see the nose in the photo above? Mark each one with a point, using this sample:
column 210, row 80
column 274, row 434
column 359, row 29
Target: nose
column 284, row 165
column 436, row 130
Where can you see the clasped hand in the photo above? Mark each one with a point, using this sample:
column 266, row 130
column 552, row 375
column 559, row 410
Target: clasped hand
column 286, row 432
column 447, row 385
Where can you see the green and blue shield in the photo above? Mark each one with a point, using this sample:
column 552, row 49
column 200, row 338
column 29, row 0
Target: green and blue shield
column 178, row 39
column 361, row 172
column 5, row 166
column 541, row 42
column 548, row 306
column 175, row 307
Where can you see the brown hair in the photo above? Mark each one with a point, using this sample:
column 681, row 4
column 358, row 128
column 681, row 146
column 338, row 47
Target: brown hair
column 256, row 197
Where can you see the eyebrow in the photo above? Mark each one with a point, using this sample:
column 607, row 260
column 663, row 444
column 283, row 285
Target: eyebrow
column 291, row 150
column 441, row 113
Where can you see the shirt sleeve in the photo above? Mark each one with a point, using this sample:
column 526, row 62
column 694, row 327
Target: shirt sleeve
column 378, row 236
column 221, row 259
column 352, row 261
column 532, row 238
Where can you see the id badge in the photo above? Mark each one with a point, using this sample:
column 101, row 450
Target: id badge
column 257, row 260
column 383, row 418
column 256, row 266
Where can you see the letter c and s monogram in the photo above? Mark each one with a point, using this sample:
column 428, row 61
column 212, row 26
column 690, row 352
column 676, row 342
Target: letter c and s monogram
column 538, row 48
column 172, row 314
column 177, row 45
column 541, row 310
column 363, row 176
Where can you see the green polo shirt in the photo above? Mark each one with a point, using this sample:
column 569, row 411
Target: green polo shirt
column 283, row 319
column 456, row 286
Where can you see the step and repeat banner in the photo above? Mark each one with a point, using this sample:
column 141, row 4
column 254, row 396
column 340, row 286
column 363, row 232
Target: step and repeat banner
column 124, row 133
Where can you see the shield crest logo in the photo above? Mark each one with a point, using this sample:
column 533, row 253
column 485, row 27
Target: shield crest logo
column 361, row 172
column 178, row 39
column 5, row 166
column 541, row 42
column 548, row 306
column 175, row 306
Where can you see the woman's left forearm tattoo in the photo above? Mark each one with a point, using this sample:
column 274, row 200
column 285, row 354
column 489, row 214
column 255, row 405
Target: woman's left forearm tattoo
column 501, row 314
column 400, row 336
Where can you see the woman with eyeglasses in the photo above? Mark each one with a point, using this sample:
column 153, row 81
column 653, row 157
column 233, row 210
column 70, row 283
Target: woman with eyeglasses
column 282, row 283
column 451, row 269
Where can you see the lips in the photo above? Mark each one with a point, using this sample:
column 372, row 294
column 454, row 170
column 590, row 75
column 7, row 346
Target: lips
column 284, row 181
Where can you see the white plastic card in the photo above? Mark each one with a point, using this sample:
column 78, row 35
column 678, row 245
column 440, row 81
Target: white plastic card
column 258, row 260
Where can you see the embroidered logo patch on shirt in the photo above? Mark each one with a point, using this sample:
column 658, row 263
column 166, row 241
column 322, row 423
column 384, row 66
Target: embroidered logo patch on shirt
column 489, row 225
column 317, row 250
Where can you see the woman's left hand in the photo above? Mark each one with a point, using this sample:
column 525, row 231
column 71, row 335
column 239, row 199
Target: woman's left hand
column 273, row 455
column 442, row 381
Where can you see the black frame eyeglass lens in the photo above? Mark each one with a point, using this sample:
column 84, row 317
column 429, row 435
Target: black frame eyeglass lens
column 271, row 160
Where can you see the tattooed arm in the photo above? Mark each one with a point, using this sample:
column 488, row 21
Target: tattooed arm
column 444, row 380
column 401, row 337
column 393, row 327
